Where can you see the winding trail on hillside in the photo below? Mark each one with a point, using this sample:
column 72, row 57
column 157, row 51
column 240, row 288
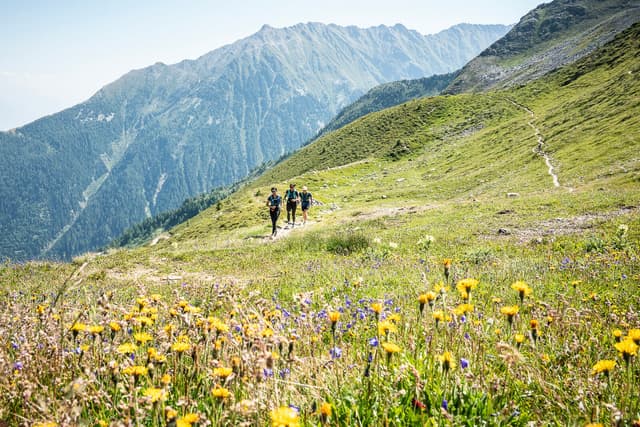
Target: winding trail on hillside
column 539, row 149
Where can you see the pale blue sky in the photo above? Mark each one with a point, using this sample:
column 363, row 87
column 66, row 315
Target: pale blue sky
column 56, row 53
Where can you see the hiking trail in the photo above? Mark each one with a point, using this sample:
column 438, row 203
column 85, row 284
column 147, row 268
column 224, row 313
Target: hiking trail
column 539, row 149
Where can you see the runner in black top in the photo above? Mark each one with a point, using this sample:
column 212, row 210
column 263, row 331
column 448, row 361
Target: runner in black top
column 306, row 200
column 273, row 202
column 291, row 196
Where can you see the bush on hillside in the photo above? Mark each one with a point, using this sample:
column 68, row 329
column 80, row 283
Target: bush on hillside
column 347, row 243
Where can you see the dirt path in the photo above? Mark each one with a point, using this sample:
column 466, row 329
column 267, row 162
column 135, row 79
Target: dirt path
column 284, row 230
column 539, row 149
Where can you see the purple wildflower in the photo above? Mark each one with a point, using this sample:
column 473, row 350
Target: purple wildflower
column 294, row 407
column 336, row 352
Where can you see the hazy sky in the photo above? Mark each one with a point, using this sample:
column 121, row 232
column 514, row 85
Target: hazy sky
column 56, row 53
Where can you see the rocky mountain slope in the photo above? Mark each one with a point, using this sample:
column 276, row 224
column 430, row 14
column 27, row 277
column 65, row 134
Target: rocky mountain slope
column 74, row 180
column 550, row 36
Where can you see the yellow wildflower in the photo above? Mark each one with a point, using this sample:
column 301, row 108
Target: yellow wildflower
column 220, row 392
column 325, row 409
column 142, row 337
column 438, row 315
column 426, row 297
column 154, row 356
column 533, row 323
column 334, row 316
column 155, row 394
column 627, row 348
column 376, row 307
column 466, row 285
column 385, row 326
column 166, row 379
column 440, row 288
column 127, row 348
column 603, row 366
column 180, row 346
column 95, row 329
column 77, row 327
column 170, row 414
column 188, row 420
column 617, row 333
column 218, row 324
column 141, row 301
column 634, row 334
column 510, row 311
column 522, row 288
column 395, row 318
column 191, row 418
column 135, row 370
column 462, row 309
column 222, row 372
column 391, row 347
column 144, row 320
column 285, row 417
column 446, row 358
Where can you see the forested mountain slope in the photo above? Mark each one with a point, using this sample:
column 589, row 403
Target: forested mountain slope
column 74, row 180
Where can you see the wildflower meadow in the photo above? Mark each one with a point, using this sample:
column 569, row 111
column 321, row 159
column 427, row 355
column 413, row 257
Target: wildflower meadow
column 552, row 340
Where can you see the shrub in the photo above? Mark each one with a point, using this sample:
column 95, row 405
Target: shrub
column 347, row 243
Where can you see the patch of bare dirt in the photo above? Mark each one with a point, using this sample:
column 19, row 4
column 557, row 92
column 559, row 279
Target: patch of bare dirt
column 566, row 226
column 392, row 211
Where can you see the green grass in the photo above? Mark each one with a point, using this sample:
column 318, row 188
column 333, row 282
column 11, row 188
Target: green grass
column 446, row 183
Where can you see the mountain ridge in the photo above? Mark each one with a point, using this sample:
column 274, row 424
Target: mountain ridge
column 550, row 36
column 158, row 135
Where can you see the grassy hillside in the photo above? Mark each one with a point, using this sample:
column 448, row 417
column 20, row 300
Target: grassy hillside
column 389, row 95
column 457, row 185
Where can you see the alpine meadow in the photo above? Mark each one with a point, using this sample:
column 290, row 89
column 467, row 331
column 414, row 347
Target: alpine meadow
column 470, row 259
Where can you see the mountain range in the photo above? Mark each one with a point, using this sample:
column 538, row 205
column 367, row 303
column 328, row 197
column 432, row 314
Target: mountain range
column 470, row 259
column 74, row 180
